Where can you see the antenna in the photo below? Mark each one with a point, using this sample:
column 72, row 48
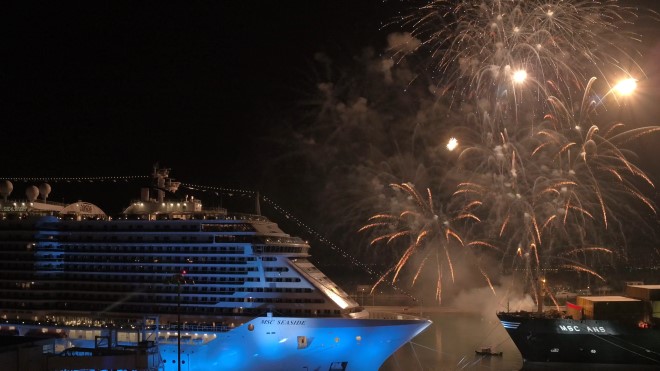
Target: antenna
column 257, row 207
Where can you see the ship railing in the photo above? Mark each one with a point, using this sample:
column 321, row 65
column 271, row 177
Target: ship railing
column 245, row 216
column 187, row 327
column 132, row 325
column 41, row 201
column 391, row 315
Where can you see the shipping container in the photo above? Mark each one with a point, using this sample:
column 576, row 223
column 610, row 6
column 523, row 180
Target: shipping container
column 644, row 292
column 611, row 308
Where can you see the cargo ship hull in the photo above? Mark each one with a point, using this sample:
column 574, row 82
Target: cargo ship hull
column 541, row 339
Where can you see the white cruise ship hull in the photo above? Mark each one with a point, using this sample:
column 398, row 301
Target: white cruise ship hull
column 270, row 343
column 277, row 343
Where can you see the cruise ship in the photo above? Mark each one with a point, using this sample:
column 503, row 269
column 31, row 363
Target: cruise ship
column 210, row 288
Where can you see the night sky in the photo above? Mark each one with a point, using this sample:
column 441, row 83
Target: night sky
column 109, row 88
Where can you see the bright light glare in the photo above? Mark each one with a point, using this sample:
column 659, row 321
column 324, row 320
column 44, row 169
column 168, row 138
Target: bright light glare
column 452, row 144
column 626, row 87
column 519, row 76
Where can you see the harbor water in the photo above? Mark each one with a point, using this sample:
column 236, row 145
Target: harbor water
column 450, row 344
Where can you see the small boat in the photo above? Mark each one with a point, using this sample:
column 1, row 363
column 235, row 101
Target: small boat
column 487, row 351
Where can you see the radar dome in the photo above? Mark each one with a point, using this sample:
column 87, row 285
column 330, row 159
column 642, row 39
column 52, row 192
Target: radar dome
column 32, row 192
column 44, row 190
column 5, row 189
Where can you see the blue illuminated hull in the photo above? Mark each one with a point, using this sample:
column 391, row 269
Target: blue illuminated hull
column 274, row 343
column 277, row 343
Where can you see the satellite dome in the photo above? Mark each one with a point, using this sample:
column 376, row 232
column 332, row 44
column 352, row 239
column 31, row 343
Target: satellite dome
column 5, row 189
column 44, row 190
column 31, row 193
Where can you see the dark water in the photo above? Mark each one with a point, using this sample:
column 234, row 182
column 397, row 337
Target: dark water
column 449, row 344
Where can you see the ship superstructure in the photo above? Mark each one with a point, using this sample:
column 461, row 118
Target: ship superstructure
column 214, row 289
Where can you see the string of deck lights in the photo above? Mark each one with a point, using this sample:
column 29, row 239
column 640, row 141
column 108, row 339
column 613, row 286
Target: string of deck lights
column 76, row 179
column 230, row 192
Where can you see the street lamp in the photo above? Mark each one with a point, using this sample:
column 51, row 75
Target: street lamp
column 179, row 279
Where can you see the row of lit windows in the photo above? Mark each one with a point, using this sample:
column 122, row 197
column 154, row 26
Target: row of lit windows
column 156, row 249
column 42, row 288
column 99, row 237
column 283, row 239
column 119, row 248
column 185, row 310
column 93, row 258
column 276, row 269
column 234, row 227
column 279, row 249
column 143, row 278
column 157, row 268
column 127, row 226
column 105, row 237
column 224, row 238
column 109, row 299
column 282, row 279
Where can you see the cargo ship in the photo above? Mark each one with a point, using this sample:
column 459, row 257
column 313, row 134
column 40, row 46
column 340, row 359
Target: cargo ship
column 211, row 289
column 622, row 330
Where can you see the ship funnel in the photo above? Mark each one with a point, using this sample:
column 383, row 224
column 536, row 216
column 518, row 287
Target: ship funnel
column 44, row 190
column 31, row 193
column 5, row 189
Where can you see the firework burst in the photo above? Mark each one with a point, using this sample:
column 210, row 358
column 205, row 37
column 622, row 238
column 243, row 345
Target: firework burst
column 548, row 185
column 483, row 47
column 538, row 179
column 424, row 230
column 548, row 191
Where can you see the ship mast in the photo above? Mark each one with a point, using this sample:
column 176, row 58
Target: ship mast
column 541, row 291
